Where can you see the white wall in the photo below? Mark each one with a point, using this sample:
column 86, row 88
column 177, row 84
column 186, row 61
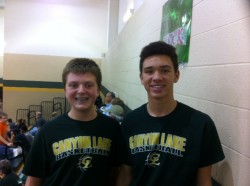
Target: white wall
column 124, row 7
column 57, row 28
column 216, row 80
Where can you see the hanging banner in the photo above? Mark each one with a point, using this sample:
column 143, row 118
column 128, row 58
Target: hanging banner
column 176, row 26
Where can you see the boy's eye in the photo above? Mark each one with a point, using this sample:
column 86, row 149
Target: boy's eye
column 73, row 85
column 148, row 71
column 89, row 85
column 165, row 70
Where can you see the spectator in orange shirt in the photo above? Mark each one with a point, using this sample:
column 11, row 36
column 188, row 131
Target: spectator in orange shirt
column 4, row 128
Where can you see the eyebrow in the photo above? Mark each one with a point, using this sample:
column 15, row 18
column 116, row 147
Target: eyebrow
column 163, row 66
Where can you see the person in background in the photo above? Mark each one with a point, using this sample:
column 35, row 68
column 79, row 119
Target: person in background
column 165, row 141
column 6, row 140
column 24, row 130
column 80, row 147
column 118, row 101
column 20, row 122
column 54, row 115
column 40, row 121
column 108, row 98
column 8, row 177
column 116, row 110
column 99, row 103
column 17, row 136
column 4, row 129
column 12, row 125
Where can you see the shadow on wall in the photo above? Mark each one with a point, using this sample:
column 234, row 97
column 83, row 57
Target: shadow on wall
column 222, row 172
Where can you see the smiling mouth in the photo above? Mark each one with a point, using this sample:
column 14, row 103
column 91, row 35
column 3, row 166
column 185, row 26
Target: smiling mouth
column 157, row 86
column 81, row 99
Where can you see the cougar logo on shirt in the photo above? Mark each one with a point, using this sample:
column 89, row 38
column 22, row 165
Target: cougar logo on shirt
column 153, row 159
column 85, row 162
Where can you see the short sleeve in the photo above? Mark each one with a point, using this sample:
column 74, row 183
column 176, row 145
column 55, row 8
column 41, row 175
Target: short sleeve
column 125, row 146
column 36, row 161
column 211, row 150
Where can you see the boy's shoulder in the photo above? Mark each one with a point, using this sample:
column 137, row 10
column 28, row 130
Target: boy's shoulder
column 106, row 119
column 136, row 115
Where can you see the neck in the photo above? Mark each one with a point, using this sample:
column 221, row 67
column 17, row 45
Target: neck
column 160, row 108
column 84, row 115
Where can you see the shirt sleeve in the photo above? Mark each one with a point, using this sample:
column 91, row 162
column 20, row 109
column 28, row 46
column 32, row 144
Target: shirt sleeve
column 211, row 151
column 125, row 158
column 37, row 161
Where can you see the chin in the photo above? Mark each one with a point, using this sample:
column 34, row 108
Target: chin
column 81, row 107
column 157, row 96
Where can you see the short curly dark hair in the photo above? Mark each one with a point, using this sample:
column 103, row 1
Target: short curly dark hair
column 159, row 48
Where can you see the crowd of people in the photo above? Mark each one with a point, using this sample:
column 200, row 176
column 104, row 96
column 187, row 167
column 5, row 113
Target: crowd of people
column 7, row 176
column 15, row 139
column 163, row 142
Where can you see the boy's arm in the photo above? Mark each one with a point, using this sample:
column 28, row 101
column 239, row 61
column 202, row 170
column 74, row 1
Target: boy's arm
column 5, row 141
column 33, row 181
column 204, row 176
column 124, row 176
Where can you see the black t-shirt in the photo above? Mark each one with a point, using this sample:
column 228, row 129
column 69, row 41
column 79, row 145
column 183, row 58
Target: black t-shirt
column 24, row 140
column 10, row 180
column 169, row 150
column 70, row 152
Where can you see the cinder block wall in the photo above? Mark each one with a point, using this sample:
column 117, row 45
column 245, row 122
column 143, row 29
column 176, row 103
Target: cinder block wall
column 216, row 80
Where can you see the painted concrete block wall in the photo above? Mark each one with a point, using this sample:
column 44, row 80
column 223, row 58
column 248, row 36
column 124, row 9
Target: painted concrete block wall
column 216, row 80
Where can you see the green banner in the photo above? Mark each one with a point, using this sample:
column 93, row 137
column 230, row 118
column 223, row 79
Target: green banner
column 176, row 26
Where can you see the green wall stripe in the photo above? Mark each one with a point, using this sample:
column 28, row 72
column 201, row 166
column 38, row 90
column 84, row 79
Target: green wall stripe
column 32, row 84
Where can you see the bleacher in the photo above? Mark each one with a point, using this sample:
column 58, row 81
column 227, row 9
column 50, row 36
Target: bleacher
column 58, row 104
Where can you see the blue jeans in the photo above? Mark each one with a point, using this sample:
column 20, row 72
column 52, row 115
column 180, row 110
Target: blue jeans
column 2, row 152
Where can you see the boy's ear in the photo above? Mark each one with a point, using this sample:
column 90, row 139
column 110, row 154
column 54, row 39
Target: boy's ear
column 177, row 76
column 140, row 76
